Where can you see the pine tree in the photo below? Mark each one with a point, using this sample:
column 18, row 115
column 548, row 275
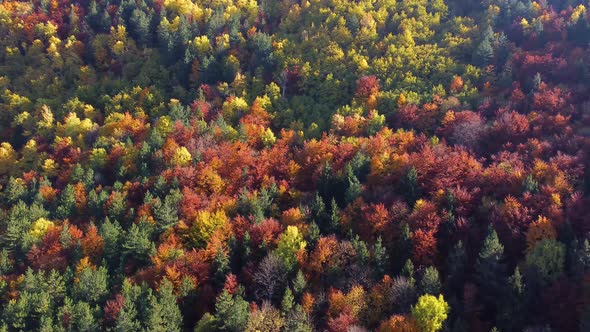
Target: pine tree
column 408, row 271
column 319, row 213
column 380, row 258
column 166, row 213
column 410, row 186
column 67, row 203
column 288, row 301
column 299, row 283
column 92, row 285
column 490, row 272
column 456, row 264
column 140, row 23
column 430, row 282
column 164, row 314
column 403, row 247
column 231, row 312
column 334, row 224
column 484, row 52
column 111, row 233
column 220, row 266
column 354, row 186
column 128, row 318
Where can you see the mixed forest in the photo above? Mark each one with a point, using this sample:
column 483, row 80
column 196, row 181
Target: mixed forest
column 295, row 165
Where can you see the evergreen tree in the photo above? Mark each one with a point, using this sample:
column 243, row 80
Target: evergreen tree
column 166, row 213
column 334, row 223
column 66, row 203
column 137, row 244
column 164, row 314
column 380, row 258
column 353, row 189
column 403, row 247
column 231, row 312
column 92, row 285
column 410, row 186
column 128, row 318
column 111, row 233
column 430, row 282
column 288, row 301
column 490, row 272
column 140, row 23
column 408, row 271
column 299, row 283
column 484, row 53
column 456, row 264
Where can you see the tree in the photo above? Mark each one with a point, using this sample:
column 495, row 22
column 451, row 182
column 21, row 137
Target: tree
column 265, row 319
column 127, row 318
column 538, row 231
column 403, row 294
column 92, row 285
column 484, row 52
column 138, row 244
column 164, row 313
column 288, row 301
column 380, row 258
column 66, row 203
column 166, row 213
column 270, row 278
column 490, row 272
column 206, row 323
column 354, row 189
column 398, row 323
column 430, row 282
column 410, row 184
column 290, row 242
column 299, row 283
column 111, row 233
column 231, row 311
column 298, row 321
column 430, row 312
column 547, row 259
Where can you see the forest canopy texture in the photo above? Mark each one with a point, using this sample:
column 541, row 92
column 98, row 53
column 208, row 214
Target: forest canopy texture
column 295, row 165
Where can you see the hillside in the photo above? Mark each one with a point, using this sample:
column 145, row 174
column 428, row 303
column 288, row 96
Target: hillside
column 295, row 165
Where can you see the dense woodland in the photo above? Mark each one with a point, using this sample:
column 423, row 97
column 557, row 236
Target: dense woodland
column 295, row 165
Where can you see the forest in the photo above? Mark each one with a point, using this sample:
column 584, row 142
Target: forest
column 295, row 165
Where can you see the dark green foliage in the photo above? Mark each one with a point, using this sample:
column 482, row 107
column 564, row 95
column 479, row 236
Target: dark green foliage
column 410, row 186
column 231, row 312
column 92, row 285
column 163, row 313
column 490, row 271
column 137, row 243
column 430, row 282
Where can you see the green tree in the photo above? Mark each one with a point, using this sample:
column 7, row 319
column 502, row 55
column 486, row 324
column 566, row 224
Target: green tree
column 231, row 312
column 547, row 259
column 164, row 314
column 137, row 243
column 92, row 285
column 206, row 323
column 298, row 321
column 66, row 205
column 166, row 213
column 380, row 258
column 288, row 300
column 490, row 272
column 112, row 235
column 410, row 186
column 128, row 318
column 353, row 189
column 430, row 282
